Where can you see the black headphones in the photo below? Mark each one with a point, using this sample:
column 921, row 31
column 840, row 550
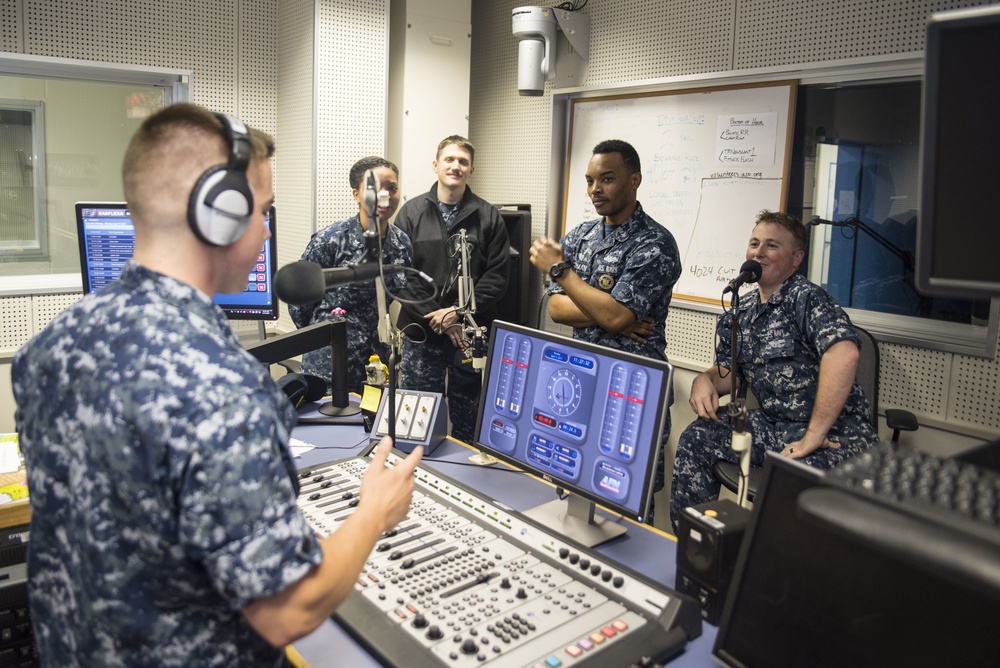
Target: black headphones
column 221, row 203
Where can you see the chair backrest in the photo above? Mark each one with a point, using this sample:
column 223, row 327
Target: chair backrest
column 868, row 370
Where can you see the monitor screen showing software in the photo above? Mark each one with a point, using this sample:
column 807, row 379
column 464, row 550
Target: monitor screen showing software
column 107, row 242
column 585, row 417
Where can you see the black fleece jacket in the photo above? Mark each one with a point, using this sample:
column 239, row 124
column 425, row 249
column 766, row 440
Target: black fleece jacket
column 489, row 257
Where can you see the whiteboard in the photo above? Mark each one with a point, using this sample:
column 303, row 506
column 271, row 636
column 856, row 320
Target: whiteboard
column 712, row 158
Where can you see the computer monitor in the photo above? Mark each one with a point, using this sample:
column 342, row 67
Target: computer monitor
column 958, row 240
column 803, row 594
column 107, row 240
column 584, row 417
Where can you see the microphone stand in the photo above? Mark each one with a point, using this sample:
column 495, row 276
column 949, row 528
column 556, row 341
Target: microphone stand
column 387, row 332
column 467, row 306
column 737, row 409
column 466, row 311
column 857, row 224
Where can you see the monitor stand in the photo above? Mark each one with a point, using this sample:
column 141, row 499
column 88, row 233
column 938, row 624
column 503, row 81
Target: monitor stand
column 574, row 517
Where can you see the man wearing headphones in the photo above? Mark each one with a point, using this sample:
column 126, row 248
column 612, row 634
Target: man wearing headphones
column 164, row 526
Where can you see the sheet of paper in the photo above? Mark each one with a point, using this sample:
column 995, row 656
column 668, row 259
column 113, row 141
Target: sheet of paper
column 10, row 460
column 299, row 447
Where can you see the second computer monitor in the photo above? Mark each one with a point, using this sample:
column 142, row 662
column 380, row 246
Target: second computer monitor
column 107, row 242
column 587, row 418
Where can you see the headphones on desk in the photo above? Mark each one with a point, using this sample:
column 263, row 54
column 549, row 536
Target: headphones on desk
column 221, row 202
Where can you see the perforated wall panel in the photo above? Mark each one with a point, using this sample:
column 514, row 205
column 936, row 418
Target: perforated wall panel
column 691, row 337
column 10, row 26
column 46, row 307
column 974, row 388
column 257, row 69
column 633, row 41
column 351, row 85
column 187, row 34
column 295, row 158
column 786, row 32
column 17, row 322
column 914, row 379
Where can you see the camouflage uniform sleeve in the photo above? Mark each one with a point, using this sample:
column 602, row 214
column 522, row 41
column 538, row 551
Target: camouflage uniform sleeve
column 238, row 512
column 823, row 321
column 651, row 270
column 321, row 249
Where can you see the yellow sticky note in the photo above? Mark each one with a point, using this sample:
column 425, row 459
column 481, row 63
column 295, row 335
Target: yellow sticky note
column 371, row 398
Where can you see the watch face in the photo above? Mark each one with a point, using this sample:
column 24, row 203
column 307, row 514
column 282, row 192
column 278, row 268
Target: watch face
column 556, row 270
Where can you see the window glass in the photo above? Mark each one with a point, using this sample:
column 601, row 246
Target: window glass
column 854, row 180
column 86, row 126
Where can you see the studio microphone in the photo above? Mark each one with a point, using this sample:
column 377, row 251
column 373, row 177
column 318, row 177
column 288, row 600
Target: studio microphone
column 749, row 273
column 302, row 282
column 371, row 197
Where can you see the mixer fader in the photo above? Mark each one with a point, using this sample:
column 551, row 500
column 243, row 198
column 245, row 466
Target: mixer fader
column 465, row 581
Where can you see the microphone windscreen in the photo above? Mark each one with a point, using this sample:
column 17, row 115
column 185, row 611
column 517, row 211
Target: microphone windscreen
column 753, row 268
column 300, row 283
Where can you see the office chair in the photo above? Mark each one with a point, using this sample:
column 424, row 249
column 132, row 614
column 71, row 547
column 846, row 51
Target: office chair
column 867, row 376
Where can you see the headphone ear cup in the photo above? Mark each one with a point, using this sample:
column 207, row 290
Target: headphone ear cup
column 317, row 387
column 220, row 206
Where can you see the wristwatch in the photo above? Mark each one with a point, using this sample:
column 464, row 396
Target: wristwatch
column 556, row 270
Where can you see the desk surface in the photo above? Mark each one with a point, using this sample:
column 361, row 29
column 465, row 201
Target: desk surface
column 642, row 548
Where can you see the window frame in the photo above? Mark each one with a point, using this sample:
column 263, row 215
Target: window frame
column 176, row 84
column 38, row 245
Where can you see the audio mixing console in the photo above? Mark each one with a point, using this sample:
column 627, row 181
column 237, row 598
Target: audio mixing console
column 466, row 581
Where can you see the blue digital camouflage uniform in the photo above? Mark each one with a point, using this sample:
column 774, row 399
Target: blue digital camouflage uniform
column 341, row 245
column 637, row 264
column 783, row 341
column 162, row 489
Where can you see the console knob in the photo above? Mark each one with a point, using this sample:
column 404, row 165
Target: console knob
column 505, row 583
column 434, row 633
column 420, row 621
column 469, row 646
column 573, row 558
column 563, row 552
column 521, row 593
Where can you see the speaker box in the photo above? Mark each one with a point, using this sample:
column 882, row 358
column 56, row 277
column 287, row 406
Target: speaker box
column 708, row 542
column 515, row 306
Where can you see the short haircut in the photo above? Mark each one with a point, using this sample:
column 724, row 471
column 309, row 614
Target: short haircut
column 461, row 142
column 171, row 149
column 787, row 221
column 629, row 155
column 364, row 164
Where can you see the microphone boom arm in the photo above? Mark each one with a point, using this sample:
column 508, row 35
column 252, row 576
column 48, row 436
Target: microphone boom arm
column 467, row 305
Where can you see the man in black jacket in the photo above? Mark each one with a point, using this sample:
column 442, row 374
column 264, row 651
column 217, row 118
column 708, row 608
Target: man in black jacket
column 436, row 345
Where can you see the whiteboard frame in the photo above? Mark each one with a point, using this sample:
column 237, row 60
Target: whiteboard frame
column 929, row 334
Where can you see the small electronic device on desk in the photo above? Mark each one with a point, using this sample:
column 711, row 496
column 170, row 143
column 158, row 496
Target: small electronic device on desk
column 17, row 644
column 708, row 542
column 421, row 419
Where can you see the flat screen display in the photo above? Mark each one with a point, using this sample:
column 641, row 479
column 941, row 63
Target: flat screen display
column 584, row 417
column 107, row 242
column 958, row 238
column 804, row 595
